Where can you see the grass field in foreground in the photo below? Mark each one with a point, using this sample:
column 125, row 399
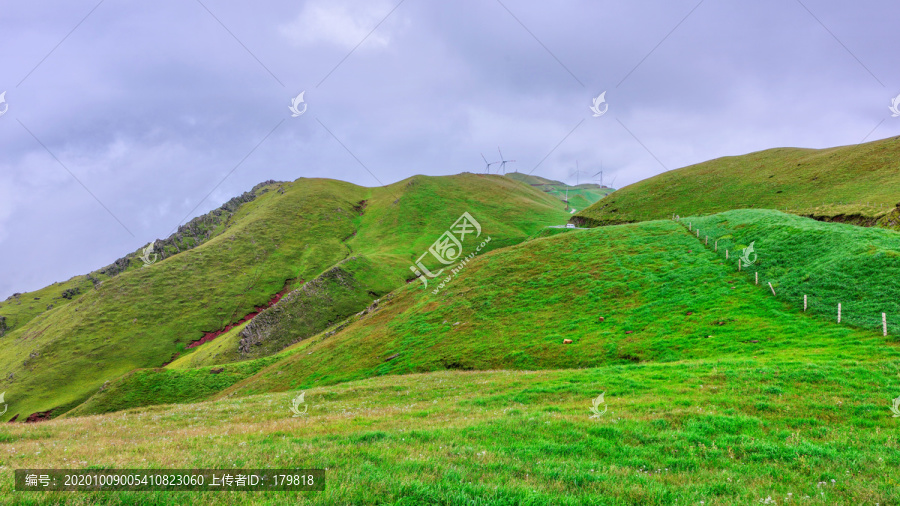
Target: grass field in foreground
column 721, row 432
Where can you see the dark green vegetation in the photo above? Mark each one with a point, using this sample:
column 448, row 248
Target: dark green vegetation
column 857, row 184
column 145, row 317
column 580, row 196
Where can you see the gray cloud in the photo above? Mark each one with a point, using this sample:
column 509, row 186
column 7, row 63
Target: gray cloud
column 151, row 105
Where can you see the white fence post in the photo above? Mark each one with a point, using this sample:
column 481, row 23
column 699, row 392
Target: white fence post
column 839, row 312
column 717, row 245
column 706, row 242
column 757, row 278
column 726, row 254
column 771, row 288
column 804, row 303
column 884, row 324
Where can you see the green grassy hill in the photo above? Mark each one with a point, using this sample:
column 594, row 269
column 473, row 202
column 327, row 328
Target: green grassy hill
column 714, row 390
column 276, row 243
column 859, row 184
column 580, row 196
column 830, row 263
column 664, row 296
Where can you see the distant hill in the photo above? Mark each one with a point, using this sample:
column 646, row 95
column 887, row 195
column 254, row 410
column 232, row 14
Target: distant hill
column 580, row 196
column 858, row 184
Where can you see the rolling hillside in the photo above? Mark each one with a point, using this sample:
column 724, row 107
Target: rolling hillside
column 858, row 184
column 713, row 389
column 265, row 254
column 580, row 196
column 663, row 296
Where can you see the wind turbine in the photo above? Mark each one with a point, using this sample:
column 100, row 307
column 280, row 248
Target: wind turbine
column 503, row 162
column 576, row 173
column 601, row 173
column 487, row 166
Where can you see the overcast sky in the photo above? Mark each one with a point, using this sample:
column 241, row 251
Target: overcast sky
column 121, row 117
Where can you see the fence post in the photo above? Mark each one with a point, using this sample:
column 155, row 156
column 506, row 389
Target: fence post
column 839, row 312
column 717, row 245
column 771, row 288
column 726, row 254
column 884, row 324
column 804, row 303
column 706, row 242
column 739, row 265
column 757, row 278
column 689, row 226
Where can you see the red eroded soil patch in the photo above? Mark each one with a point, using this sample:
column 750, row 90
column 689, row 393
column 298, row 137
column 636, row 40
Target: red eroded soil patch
column 40, row 416
column 209, row 336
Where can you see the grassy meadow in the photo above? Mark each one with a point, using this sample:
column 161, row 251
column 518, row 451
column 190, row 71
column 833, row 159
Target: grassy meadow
column 719, row 432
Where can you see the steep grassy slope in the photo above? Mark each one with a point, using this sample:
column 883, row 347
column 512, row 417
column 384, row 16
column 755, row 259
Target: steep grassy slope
column 144, row 317
column 859, row 183
column 718, row 431
column 21, row 308
column 580, row 196
column 662, row 295
column 829, row 263
column 513, row 308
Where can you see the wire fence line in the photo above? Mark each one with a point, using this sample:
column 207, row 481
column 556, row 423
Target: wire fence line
column 823, row 306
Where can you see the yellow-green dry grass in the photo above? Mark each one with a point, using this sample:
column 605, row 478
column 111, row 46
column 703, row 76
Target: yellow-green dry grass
column 857, row 183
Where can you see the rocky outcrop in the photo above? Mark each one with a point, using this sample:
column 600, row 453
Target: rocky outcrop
column 71, row 293
column 329, row 298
